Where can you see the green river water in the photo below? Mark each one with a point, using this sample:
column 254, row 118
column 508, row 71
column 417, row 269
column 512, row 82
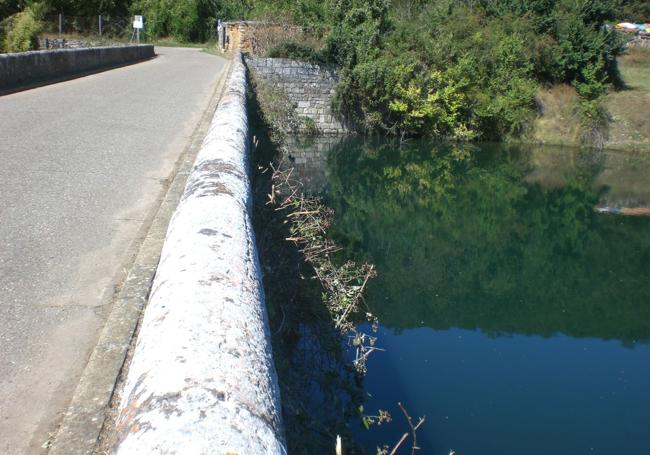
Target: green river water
column 514, row 316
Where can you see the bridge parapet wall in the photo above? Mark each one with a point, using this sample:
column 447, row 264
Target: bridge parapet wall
column 202, row 378
column 310, row 87
column 34, row 68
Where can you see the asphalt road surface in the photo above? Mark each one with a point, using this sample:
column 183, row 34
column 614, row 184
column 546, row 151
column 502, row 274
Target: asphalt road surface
column 82, row 164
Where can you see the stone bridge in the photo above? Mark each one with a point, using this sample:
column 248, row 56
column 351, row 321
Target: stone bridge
column 125, row 197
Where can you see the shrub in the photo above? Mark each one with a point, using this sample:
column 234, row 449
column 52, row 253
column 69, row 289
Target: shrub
column 467, row 71
column 183, row 20
column 284, row 39
column 310, row 128
column 22, row 30
column 592, row 89
column 297, row 51
column 278, row 112
column 5, row 24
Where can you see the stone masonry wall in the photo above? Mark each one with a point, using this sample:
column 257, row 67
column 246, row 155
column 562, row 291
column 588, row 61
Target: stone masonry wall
column 310, row 88
column 34, row 68
column 48, row 43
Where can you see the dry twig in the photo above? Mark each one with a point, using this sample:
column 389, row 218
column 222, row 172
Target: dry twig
column 413, row 432
column 344, row 284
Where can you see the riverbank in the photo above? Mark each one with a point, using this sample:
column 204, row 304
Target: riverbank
column 628, row 108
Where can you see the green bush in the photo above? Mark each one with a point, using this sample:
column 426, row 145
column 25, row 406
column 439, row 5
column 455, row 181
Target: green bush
column 297, row 51
column 22, row 30
column 5, row 24
column 310, row 128
column 635, row 11
column 447, row 68
column 183, row 20
column 278, row 112
column 592, row 89
column 8, row 8
column 444, row 71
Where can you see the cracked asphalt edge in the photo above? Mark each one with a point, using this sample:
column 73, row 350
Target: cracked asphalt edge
column 91, row 412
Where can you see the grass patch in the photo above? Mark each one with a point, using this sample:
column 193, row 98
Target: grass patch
column 636, row 58
column 628, row 108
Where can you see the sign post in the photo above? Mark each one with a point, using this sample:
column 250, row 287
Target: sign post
column 138, row 24
column 221, row 34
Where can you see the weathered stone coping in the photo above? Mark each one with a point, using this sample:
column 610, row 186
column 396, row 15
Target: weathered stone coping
column 202, row 378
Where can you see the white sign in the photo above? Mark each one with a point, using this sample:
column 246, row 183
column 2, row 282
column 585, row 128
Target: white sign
column 137, row 22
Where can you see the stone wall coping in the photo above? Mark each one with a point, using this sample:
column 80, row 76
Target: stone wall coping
column 202, row 378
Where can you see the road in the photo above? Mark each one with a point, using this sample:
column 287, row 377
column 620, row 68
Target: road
column 83, row 165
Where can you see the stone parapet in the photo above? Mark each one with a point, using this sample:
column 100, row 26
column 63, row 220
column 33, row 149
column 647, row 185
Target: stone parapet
column 202, row 378
column 28, row 69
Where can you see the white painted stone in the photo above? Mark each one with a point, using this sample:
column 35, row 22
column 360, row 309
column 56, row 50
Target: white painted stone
column 202, row 379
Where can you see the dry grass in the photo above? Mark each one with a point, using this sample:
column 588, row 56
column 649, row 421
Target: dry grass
column 263, row 37
column 558, row 123
column 629, row 108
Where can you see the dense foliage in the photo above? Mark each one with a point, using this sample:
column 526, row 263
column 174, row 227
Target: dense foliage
column 465, row 69
column 468, row 70
column 635, row 10
column 18, row 32
column 183, row 20
column 455, row 68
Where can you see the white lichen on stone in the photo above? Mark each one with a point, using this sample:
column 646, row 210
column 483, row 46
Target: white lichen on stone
column 202, row 379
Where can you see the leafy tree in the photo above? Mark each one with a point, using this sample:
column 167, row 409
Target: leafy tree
column 184, row 20
column 90, row 7
column 20, row 31
column 464, row 70
column 8, row 8
column 635, row 10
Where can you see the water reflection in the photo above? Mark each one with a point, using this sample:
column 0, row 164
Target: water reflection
column 501, row 239
column 509, row 306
